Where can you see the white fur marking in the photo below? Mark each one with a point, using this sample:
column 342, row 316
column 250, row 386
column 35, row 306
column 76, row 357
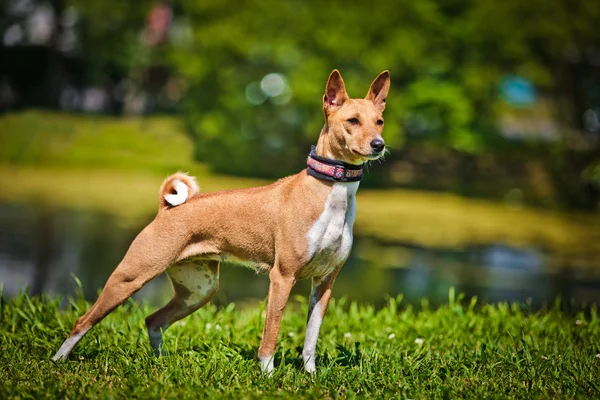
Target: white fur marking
column 267, row 364
column 312, row 334
column 181, row 196
column 67, row 347
column 330, row 237
column 195, row 275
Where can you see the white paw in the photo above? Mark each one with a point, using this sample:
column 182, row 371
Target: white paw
column 310, row 367
column 67, row 346
column 309, row 363
column 267, row 365
column 59, row 356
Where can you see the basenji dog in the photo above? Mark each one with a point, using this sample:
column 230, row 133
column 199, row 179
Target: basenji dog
column 298, row 227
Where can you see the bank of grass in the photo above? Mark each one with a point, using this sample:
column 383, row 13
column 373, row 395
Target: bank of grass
column 460, row 350
column 97, row 163
column 115, row 165
column 47, row 139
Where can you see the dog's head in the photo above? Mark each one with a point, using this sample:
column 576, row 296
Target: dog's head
column 353, row 127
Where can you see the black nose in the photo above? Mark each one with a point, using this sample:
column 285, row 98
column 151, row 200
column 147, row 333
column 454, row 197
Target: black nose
column 377, row 145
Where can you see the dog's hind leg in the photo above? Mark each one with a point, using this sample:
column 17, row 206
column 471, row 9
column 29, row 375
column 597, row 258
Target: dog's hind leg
column 194, row 282
column 149, row 255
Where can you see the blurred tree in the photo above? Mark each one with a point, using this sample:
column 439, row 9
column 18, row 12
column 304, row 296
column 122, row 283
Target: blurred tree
column 257, row 74
column 110, row 36
column 446, row 57
column 254, row 73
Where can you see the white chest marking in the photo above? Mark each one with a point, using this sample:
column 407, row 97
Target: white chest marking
column 330, row 237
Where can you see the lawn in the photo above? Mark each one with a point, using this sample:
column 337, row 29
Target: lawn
column 460, row 350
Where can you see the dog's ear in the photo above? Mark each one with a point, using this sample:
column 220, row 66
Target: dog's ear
column 379, row 90
column 335, row 92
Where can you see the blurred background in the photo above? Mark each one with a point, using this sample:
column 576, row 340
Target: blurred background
column 493, row 122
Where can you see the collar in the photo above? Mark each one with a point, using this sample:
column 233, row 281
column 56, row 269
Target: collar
column 332, row 170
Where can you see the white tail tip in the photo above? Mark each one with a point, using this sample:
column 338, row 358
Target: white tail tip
column 180, row 196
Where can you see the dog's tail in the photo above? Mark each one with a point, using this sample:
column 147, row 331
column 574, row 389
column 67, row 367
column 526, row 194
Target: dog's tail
column 177, row 189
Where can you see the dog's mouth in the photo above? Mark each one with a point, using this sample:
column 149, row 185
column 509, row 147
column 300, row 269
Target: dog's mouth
column 370, row 156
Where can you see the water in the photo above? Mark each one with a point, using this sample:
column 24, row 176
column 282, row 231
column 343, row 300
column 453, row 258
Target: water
column 44, row 248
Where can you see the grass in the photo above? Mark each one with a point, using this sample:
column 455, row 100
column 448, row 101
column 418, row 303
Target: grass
column 87, row 162
column 460, row 350
column 54, row 139
column 115, row 166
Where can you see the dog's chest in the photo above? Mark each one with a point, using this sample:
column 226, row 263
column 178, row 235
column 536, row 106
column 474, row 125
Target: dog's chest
column 330, row 237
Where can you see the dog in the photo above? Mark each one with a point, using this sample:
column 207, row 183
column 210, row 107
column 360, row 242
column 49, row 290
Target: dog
column 298, row 227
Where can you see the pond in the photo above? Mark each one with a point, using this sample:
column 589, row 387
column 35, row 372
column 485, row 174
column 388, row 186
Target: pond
column 44, row 249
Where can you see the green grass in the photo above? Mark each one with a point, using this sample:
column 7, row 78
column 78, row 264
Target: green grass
column 467, row 351
column 52, row 139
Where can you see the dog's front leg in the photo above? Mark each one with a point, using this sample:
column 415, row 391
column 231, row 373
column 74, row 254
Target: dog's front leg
column 279, row 292
column 319, row 299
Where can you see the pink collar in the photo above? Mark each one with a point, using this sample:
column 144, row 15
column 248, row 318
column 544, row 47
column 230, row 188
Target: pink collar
column 332, row 170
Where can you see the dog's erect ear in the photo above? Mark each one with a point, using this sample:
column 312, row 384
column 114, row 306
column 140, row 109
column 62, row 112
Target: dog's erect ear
column 335, row 92
column 379, row 90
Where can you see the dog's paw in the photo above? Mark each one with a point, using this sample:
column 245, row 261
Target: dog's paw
column 267, row 365
column 59, row 357
column 309, row 362
column 310, row 367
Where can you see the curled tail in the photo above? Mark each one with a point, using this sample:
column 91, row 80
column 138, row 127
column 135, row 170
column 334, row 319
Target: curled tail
column 177, row 189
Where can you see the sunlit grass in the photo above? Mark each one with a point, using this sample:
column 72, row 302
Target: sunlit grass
column 457, row 351
column 50, row 139
column 446, row 220
column 460, row 350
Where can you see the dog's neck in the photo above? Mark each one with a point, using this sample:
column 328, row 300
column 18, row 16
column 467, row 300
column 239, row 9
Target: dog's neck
column 322, row 164
column 323, row 148
column 332, row 170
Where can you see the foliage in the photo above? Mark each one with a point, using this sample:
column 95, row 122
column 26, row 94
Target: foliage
column 460, row 350
column 446, row 60
column 110, row 36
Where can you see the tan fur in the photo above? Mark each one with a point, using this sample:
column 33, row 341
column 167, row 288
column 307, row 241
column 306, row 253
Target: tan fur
column 264, row 227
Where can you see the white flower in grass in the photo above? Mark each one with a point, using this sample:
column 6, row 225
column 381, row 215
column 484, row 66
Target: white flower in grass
column 578, row 322
column 544, row 358
column 218, row 327
column 598, row 355
column 347, row 335
column 419, row 341
column 291, row 334
column 391, row 336
column 181, row 323
column 208, row 326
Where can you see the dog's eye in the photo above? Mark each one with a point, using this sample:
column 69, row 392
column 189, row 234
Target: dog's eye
column 379, row 122
column 353, row 121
